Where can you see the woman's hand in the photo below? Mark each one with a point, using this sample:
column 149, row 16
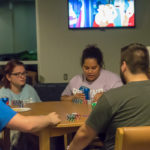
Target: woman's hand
column 79, row 96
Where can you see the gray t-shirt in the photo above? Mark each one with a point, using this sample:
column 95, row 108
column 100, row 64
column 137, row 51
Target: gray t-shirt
column 27, row 93
column 128, row 105
column 103, row 83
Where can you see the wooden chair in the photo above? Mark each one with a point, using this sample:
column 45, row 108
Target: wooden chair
column 133, row 138
column 33, row 76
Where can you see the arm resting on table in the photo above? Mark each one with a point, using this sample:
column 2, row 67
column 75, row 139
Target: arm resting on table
column 67, row 98
column 33, row 123
column 71, row 97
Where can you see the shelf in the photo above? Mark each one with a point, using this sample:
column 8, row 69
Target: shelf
column 30, row 62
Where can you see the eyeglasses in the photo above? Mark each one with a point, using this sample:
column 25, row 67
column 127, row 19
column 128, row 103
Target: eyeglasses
column 19, row 74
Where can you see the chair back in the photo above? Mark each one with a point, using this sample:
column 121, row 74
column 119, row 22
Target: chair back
column 50, row 91
column 133, row 138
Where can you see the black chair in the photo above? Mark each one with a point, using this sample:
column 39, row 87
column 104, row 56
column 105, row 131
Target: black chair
column 50, row 91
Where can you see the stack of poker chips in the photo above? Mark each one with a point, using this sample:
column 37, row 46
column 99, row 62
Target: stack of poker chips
column 73, row 116
column 18, row 103
column 77, row 101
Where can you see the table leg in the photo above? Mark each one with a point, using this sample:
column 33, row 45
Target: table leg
column 44, row 139
column 65, row 141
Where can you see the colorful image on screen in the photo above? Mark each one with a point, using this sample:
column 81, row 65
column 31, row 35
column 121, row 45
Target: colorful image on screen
column 101, row 13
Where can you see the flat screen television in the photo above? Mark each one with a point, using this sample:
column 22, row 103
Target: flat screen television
column 101, row 13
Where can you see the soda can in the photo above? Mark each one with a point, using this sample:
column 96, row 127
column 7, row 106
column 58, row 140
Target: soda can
column 86, row 92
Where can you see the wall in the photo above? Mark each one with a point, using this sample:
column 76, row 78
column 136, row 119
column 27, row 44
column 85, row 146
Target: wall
column 25, row 26
column 17, row 27
column 6, row 42
column 59, row 49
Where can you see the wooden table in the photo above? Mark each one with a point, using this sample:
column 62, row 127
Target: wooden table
column 65, row 127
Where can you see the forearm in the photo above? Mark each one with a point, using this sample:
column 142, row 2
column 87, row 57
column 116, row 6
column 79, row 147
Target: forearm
column 67, row 98
column 36, row 123
column 28, row 123
column 80, row 96
column 82, row 138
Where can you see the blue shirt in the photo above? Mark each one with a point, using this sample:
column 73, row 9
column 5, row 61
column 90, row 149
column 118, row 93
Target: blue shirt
column 27, row 93
column 6, row 114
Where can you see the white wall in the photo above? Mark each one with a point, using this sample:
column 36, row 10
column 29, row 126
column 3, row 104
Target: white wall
column 59, row 49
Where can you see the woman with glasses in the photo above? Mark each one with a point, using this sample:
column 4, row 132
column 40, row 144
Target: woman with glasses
column 13, row 83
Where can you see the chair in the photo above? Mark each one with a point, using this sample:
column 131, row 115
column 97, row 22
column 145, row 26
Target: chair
column 5, row 139
column 133, row 138
column 32, row 77
column 50, row 91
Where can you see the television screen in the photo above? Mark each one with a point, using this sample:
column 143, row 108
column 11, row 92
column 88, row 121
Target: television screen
column 101, row 13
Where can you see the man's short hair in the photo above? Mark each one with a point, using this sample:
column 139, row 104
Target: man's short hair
column 137, row 58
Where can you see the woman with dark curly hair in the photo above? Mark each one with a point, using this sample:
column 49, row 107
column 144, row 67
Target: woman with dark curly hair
column 94, row 77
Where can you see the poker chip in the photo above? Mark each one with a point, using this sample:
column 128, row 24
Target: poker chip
column 94, row 104
column 77, row 101
column 73, row 116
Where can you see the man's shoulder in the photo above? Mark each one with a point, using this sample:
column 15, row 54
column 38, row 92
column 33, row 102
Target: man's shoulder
column 121, row 93
column 116, row 93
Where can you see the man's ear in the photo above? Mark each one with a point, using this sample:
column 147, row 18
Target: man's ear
column 124, row 66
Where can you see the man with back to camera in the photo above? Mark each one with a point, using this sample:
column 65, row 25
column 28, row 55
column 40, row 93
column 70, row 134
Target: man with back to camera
column 128, row 105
